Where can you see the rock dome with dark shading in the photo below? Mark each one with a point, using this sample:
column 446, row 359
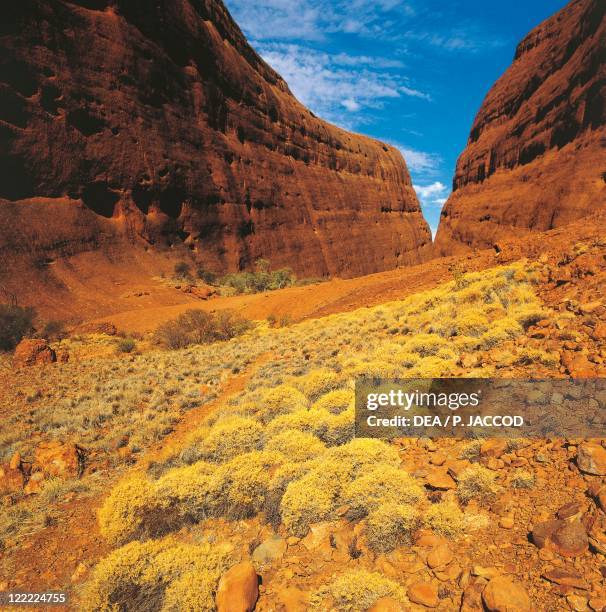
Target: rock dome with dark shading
column 536, row 155
column 125, row 121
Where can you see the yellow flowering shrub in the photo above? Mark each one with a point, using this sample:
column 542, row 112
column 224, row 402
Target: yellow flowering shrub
column 445, row 518
column 391, row 525
column 138, row 575
column 356, row 590
column 380, row 484
column 335, row 402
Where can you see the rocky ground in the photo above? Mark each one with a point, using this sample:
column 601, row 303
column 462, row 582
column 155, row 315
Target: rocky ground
column 540, row 543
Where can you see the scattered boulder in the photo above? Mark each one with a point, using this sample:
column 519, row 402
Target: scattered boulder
column 472, row 598
column 568, row 538
column 504, row 595
column 424, row 594
column 238, row 589
column 32, row 352
column 571, row 539
column 15, row 462
column 204, row 292
column 440, row 556
column 440, row 479
column 590, row 307
column 469, row 360
column 386, row 604
column 270, row 550
column 577, row 365
column 493, row 448
column 591, row 459
column 59, row 459
column 566, row 578
column 106, row 328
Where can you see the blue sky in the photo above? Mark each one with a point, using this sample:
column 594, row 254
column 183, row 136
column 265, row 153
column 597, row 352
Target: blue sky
column 409, row 72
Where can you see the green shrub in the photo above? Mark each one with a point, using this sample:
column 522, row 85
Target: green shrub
column 183, row 270
column 200, row 327
column 259, row 281
column 15, row 323
column 126, row 345
column 54, row 330
column 210, row 278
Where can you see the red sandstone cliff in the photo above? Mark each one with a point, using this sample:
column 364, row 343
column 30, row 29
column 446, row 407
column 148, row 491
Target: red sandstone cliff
column 130, row 122
column 536, row 156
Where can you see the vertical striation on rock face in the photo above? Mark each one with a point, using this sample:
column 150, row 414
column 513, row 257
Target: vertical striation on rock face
column 124, row 121
column 536, row 155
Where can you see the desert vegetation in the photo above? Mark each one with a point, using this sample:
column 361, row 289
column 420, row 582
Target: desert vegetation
column 15, row 323
column 282, row 451
column 259, row 280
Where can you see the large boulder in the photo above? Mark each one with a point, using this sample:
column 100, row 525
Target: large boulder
column 58, row 459
column 567, row 538
column 32, row 352
column 591, row 459
column 238, row 589
column 502, row 594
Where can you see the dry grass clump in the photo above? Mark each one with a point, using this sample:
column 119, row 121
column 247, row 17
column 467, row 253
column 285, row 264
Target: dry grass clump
column 391, row 525
column 335, row 402
column 244, row 483
column 157, row 575
column 316, row 496
column 283, row 399
column 479, row 483
column 311, row 499
column 523, row 480
column 381, row 484
column 317, row 383
column 141, row 508
column 298, row 446
column 332, row 429
column 445, row 518
column 356, row 590
column 229, row 437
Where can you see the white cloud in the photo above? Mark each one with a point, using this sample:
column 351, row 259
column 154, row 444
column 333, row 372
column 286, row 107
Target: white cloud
column 468, row 38
column 314, row 19
column 432, row 195
column 329, row 83
column 430, row 191
column 351, row 105
column 420, row 162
